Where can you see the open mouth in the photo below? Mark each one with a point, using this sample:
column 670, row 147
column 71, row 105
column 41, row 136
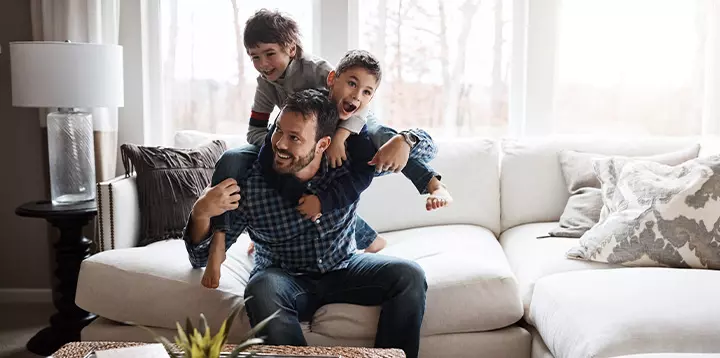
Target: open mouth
column 282, row 156
column 348, row 107
column 269, row 73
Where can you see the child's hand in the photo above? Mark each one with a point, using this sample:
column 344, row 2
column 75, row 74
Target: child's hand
column 309, row 207
column 392, row 156
column 336, row 153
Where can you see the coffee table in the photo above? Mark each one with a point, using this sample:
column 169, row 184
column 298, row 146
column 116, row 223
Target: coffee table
column 81, row 349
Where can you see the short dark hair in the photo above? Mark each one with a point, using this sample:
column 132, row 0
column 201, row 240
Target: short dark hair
column 314, row 102
column 272, row 27
column 359, row 58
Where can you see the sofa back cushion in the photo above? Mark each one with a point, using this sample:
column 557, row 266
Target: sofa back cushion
column 531, row 180
column 469, row 168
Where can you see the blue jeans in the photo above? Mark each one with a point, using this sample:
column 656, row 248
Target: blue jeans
column 418, row 172
column 236, row 163
column 397, row 285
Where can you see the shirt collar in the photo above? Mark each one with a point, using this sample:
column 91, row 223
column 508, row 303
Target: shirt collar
column 292, row 68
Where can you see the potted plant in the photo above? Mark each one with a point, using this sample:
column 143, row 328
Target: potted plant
column 195, row 344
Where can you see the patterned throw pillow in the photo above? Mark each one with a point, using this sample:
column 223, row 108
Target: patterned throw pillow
column 656, row 215
column 583, row 208
column 169, row 180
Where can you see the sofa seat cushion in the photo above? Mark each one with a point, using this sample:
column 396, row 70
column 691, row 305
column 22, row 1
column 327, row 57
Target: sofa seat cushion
column 470, row 285
column 156, row 286
column 607, row 313
column 532, row 258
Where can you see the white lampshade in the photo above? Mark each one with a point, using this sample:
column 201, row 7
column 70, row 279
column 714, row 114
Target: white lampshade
column 63, row 74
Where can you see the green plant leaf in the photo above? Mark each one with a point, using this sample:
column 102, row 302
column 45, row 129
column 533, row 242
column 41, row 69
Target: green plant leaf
column 206, row 334
column 261, row 325
column 182, row 337
column 231, row 319
column 244, row 345
column 188, row 327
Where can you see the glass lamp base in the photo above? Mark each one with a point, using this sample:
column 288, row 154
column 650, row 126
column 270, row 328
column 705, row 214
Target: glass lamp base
column 71, row 156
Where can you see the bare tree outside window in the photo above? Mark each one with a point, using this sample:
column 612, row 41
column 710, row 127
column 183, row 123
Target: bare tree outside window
column 209, row 81
column 446, row 63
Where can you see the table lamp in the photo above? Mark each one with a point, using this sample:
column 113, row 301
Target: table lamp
column 72, row 77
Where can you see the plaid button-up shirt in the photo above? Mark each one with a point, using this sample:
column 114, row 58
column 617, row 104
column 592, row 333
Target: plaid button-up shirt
column 283, row 238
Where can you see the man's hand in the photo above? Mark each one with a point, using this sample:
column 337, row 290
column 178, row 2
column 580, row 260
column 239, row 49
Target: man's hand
column 216, row 200
column 392, row 156
column 309, row 206
column 336, row 153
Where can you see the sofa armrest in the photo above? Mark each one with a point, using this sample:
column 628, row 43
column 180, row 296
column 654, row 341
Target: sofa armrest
column 118, row 213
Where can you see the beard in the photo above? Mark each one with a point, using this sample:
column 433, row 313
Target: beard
column 297, row 163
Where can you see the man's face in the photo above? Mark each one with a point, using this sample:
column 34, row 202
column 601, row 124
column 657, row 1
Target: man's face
column 293, row 142
column 352, row 90
column 271, row 60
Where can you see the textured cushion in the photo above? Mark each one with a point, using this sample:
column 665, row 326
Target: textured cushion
column 582, row 210
column 532, row 259
column 606, row 313
column 658, row 215
column 471, row 287
column 531, row 181
column 169, row 180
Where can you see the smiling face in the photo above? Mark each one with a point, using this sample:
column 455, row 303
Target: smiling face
column 293, row 142
column 352, row 90
column 271, row 60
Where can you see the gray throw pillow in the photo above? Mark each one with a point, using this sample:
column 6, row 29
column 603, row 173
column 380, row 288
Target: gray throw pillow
column 583, row 209
column 169, row 180
column 657, row 215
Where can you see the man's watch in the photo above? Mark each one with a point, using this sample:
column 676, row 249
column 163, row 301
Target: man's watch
column 410, row 138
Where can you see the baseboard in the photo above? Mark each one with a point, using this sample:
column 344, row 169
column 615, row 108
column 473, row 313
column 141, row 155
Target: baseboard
column 25, row 295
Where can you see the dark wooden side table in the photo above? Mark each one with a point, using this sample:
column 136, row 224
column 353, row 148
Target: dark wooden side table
column 69, row 251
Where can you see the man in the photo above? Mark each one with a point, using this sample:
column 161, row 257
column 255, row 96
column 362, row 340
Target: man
column 302, row 264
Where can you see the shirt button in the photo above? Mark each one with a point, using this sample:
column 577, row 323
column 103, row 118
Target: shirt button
column 319, row 261
column 317, row 221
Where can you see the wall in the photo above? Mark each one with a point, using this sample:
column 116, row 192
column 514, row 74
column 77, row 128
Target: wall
column 24, row 261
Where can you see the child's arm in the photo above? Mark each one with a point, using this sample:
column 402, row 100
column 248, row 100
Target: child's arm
column 347, row 189
column 336, row 153
column 263, row 105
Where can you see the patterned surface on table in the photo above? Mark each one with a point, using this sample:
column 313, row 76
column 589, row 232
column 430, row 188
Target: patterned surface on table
column 80, row 349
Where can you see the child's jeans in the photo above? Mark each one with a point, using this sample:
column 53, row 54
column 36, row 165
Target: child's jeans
column 236, row 163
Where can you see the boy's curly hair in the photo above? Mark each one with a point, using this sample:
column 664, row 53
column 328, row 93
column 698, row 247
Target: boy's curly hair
column 359, row 58
column 272, row 27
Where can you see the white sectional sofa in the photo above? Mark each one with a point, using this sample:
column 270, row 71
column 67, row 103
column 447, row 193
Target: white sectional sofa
column 495, row 288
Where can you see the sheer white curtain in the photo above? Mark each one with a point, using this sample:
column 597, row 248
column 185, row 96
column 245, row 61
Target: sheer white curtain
column 622, row 68
column 93, row 21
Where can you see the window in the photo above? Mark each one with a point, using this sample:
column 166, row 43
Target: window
column 488, row 68
column 630, row 67
column 209, row 81
column 446, row 63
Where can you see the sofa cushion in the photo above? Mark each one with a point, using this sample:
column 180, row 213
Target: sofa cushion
column 470, row 285
column 531, row 182
column 532, row 258
column 657, row 215
column 606, row 313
